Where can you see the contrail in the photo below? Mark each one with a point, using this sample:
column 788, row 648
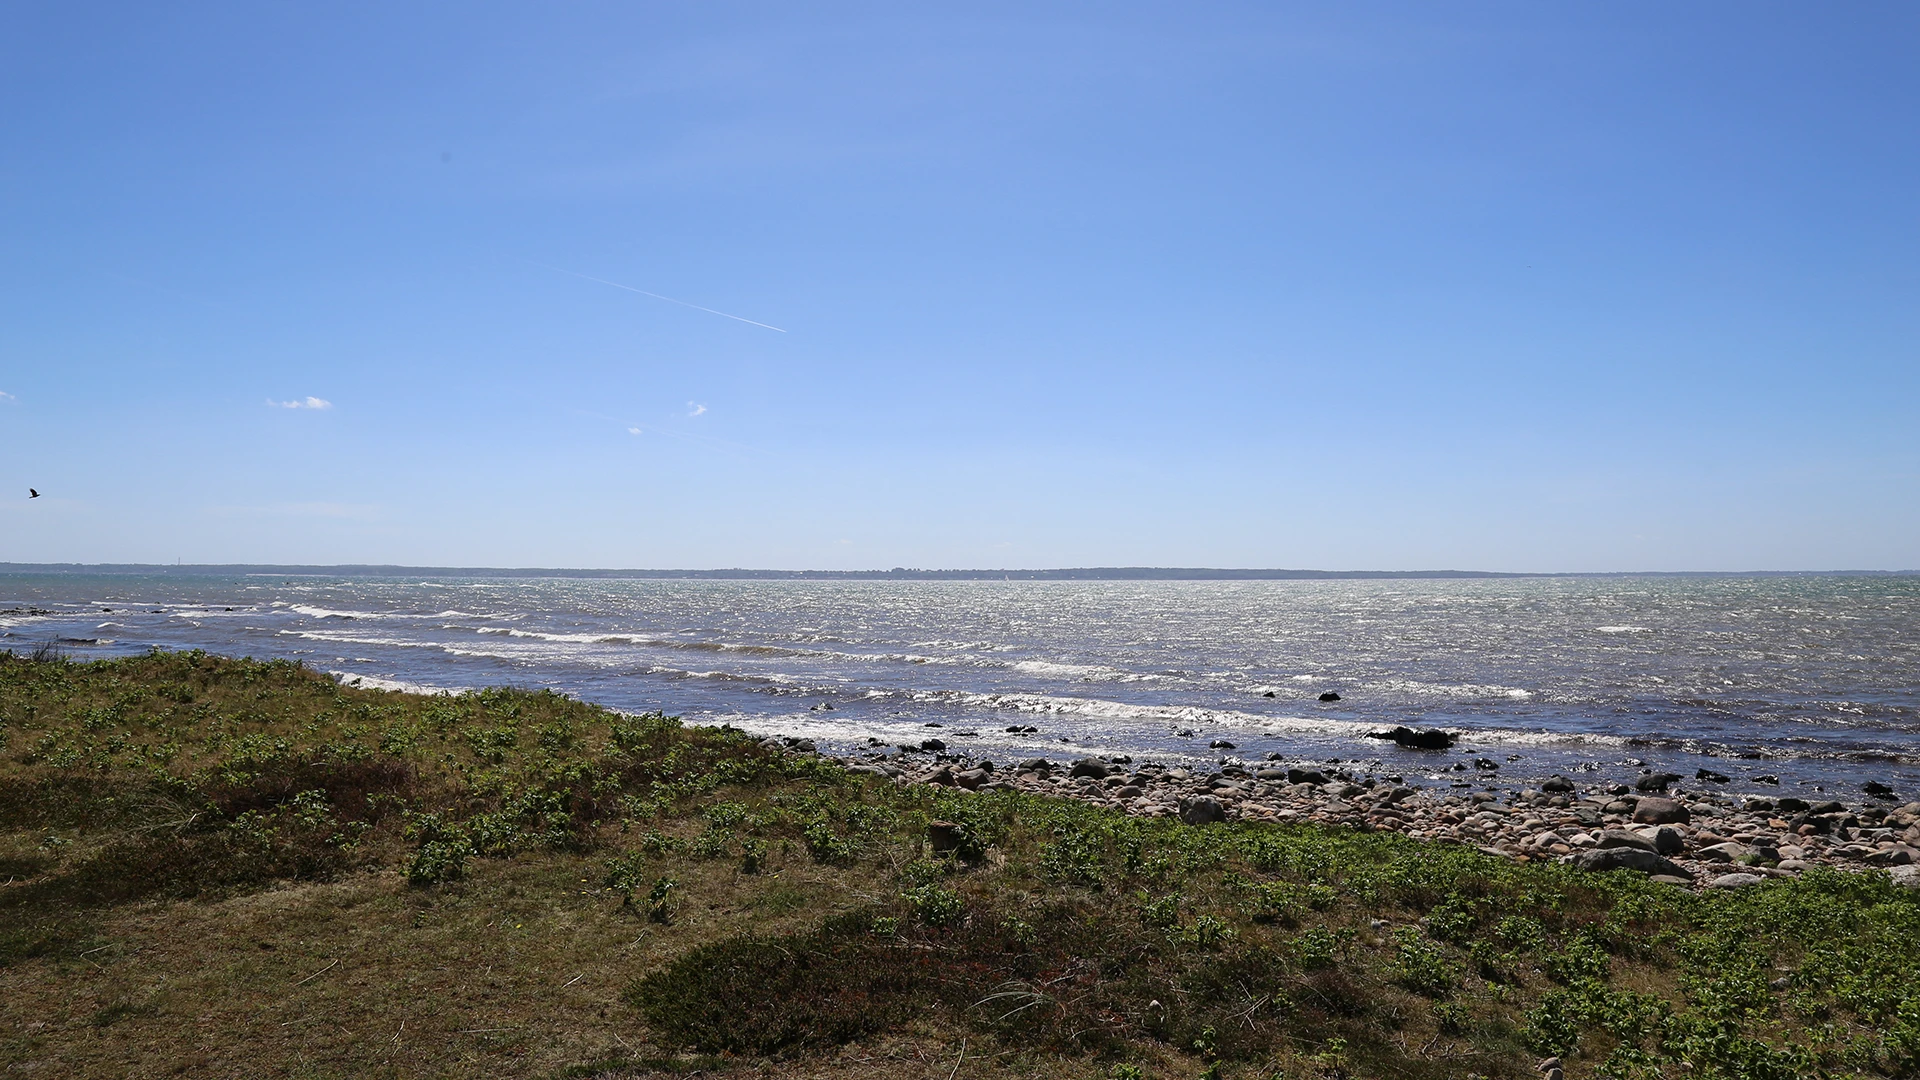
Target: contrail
column 657, row 296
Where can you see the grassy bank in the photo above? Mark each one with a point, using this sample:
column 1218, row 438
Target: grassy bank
column 216, row 867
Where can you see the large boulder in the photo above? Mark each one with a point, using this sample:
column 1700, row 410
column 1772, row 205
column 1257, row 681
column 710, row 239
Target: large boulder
column 1306, row 776
column 1202, row 810
column 1657, row 811
column 1093, row 767
column 1626, row 858
column 1655, row 781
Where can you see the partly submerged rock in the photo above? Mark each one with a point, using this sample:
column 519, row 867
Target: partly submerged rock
column 1429, row 739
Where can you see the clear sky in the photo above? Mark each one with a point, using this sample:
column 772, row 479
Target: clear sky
column 1515, row 286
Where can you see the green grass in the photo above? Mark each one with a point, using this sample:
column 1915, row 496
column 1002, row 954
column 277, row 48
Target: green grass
column 221, row 867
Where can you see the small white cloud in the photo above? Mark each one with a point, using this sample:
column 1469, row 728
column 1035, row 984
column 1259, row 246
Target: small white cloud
column 694, row 408
column 634, row 431
column 301, row 403
column 4, row 396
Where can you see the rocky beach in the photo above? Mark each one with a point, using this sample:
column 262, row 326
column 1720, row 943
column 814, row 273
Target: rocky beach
column 1692, row 836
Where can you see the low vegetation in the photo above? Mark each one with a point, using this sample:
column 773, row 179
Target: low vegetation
column 219, row 867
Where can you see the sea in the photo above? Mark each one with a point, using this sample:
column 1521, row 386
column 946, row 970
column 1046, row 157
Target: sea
column 1779, row 684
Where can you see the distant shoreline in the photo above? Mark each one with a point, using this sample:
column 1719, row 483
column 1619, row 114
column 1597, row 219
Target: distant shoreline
column 1087, row 573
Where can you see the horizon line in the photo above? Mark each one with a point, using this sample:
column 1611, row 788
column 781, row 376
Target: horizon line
column 898, row 573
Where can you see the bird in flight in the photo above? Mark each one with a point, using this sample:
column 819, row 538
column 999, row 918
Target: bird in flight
column 32, row 494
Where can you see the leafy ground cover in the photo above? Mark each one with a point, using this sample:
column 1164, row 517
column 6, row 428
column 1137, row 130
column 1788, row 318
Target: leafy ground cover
column 218, row 867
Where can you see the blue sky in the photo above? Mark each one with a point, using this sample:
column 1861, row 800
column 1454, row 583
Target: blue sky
column 1508, row 286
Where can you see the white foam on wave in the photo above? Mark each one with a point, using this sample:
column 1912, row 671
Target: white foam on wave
column 330, row 613
column 1451, row 691
column 374, row 682
column 1621, row 630
column 1172, row 715
column 1071, row 671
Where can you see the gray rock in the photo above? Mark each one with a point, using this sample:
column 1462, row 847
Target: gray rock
column 1306, row 776
column 1657, row 811
column 932, row 746
column 1655, row 781
column 972, row 778
column 1557, row 784
column 1090, row 767
column 1202, row 810
column 1667, row 840
column 1894, row 856
column 1614, row 838
column 1626, row 858
column 1907, row 877
column 1734, row 881
column 942, row 776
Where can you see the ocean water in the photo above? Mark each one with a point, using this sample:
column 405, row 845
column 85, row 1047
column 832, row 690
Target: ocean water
column 1814, row 680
